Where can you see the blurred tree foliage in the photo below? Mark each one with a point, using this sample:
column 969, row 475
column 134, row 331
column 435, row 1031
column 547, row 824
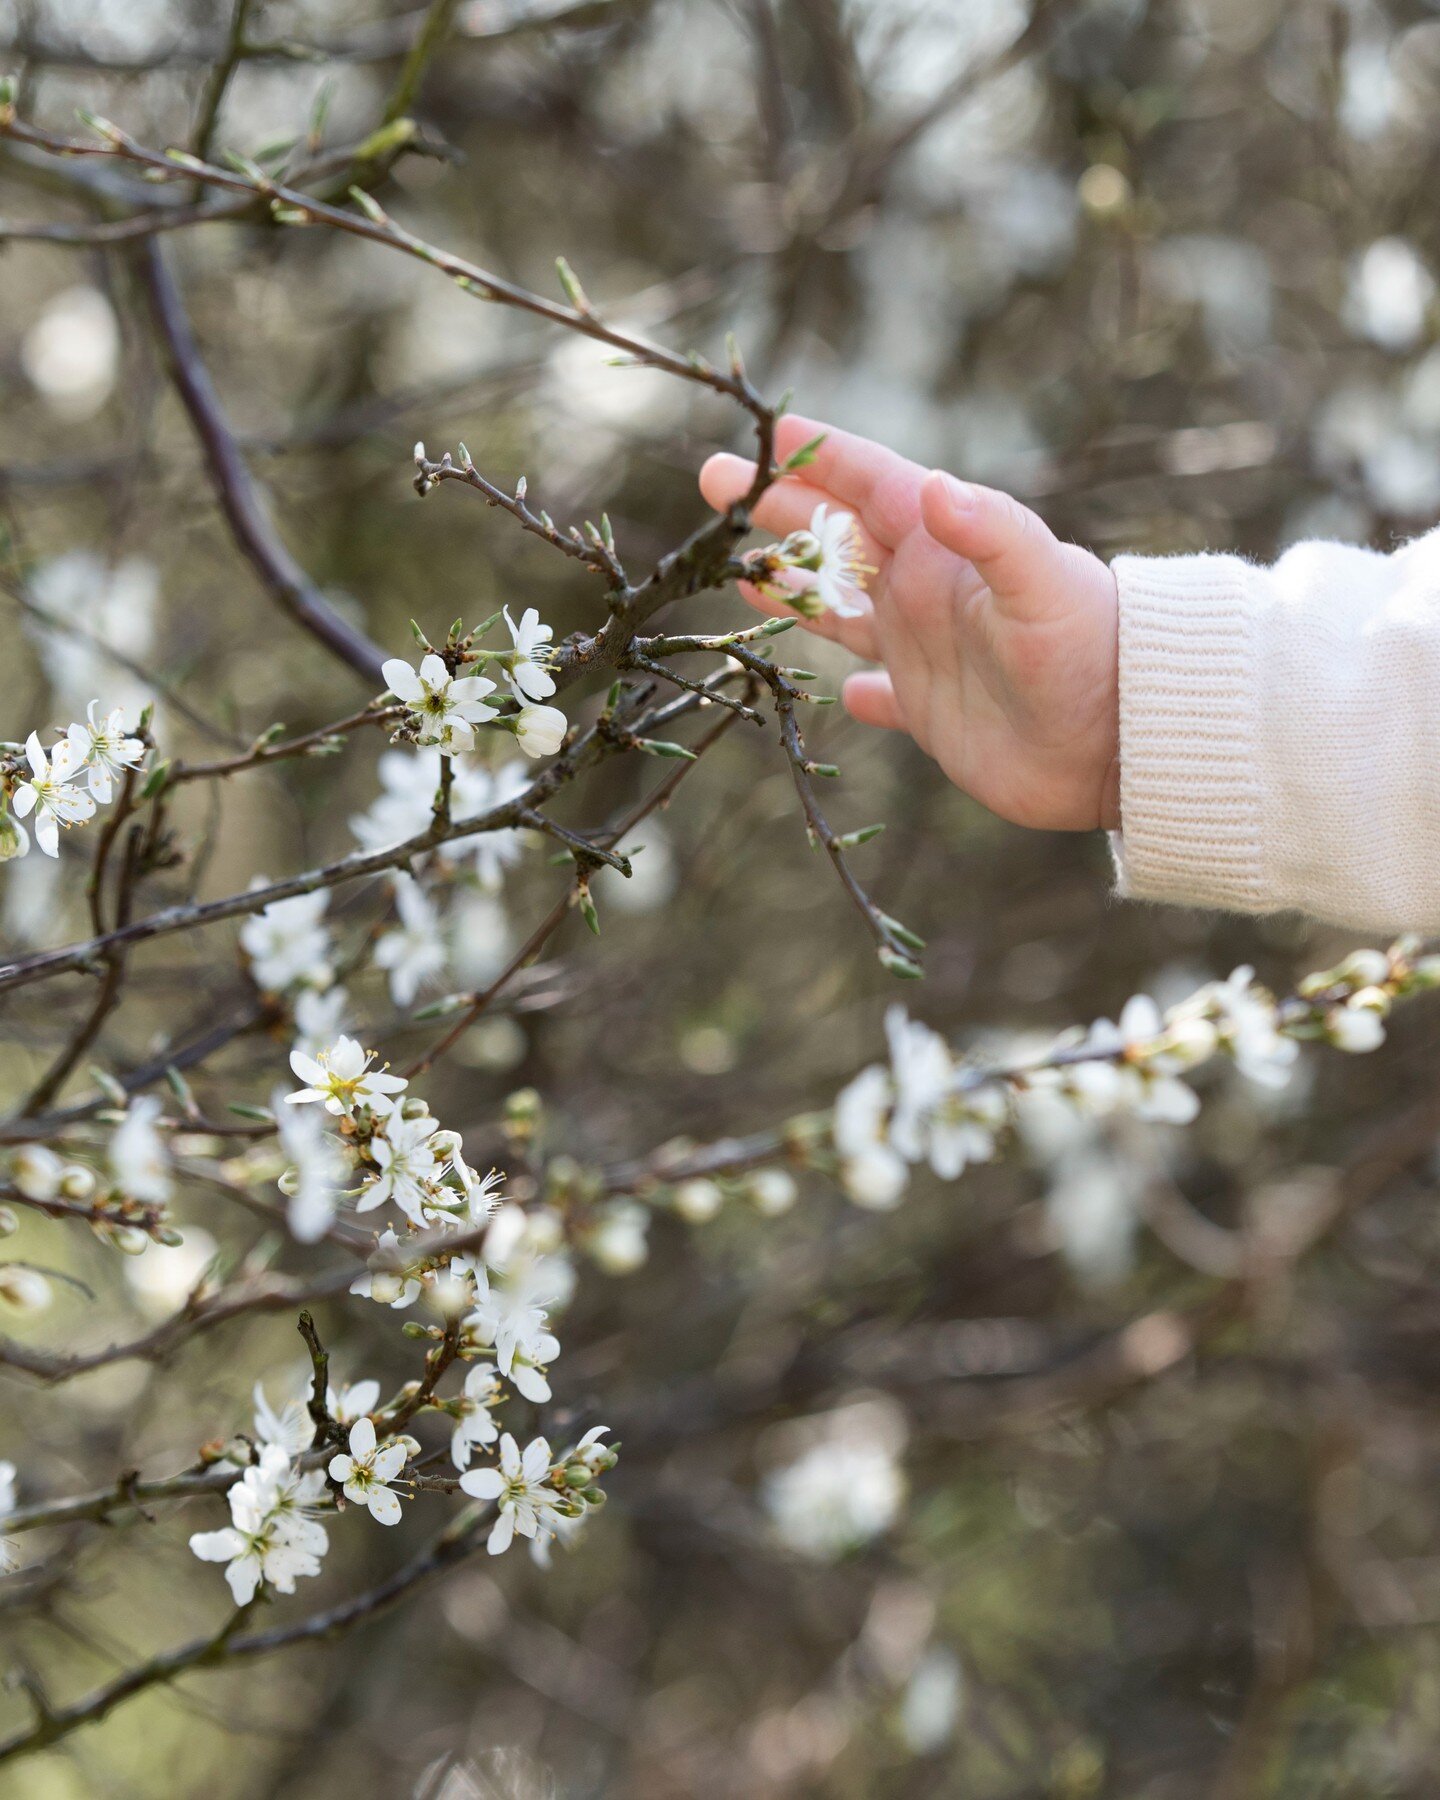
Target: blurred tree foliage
column 1164, row 1402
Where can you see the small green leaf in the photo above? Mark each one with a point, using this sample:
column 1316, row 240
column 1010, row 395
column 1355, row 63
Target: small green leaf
column 902, row 933
column 805, row 455
column 441, row 1009
column 852, row 840
column 109, row 1086
column 900, row 965
column 574, row 293
column 158, row 779
column 662, row 747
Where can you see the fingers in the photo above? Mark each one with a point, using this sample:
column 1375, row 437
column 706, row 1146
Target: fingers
column 870, row 697
column 880, row 485
column 1018, row 557
column 881, row 488
column 784, row 508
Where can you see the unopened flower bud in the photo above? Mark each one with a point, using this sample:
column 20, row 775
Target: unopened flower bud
column 698, row 1200
column 13, row 840
column 1192, row 1040
column 9, row 1224
column 1364, row 968
column 772, row 1192
column 77, row 1182
column 23, row 1289
column 1355, row 1029
column 36, row 1171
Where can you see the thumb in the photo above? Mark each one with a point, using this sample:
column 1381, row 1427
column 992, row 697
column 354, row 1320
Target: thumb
column 1016, row 554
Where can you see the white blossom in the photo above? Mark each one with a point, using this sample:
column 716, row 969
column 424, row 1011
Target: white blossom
column 404, row 806
column 365, row 1471
column 479, row 790
column 388, row 1287
column 520, row 1487
column 342, row 1079
column 288, row 942
column 414, row 950
column 619, row 1241
column 103, row 750
column 443, row 708
column 822, row 570
column 1093, row 1210
column 930, row 1706
column 1355, row 1029
column 315, row 1176
column 345, row 1405
column 71, row 353
column 511, row 1316
column 873, row 1174
column 529, row 671
column 267, row 1540
column 138, row 1155
column 408, row 1166
column 539, row 730
column 1147, row 1084
column 50, row 794
column 1391, row 292
column 481, row 1194
column 474, row 1423
column 320, row 1017
column 834, row 1497
column 291, row 1429
column 1246, row 1025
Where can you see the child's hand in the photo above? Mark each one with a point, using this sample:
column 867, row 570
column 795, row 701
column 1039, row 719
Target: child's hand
column 998, row 643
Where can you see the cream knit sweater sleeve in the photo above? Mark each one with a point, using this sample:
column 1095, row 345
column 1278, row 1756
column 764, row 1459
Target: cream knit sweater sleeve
column 1280, row 733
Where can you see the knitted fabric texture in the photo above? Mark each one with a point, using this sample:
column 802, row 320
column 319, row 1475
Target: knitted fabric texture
column 1280, row 733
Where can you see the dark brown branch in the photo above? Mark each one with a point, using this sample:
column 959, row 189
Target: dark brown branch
column 240, row 500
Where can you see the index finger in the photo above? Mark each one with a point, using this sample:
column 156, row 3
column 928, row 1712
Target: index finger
column 880, row 485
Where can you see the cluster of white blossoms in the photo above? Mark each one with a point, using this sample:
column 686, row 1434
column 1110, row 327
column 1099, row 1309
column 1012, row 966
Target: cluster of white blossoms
column 354, row 1134
column 443, row 707
column 815, row 570
column 95, row 752
column 273, row 1536
column 127, row 1201
column 930, row 1106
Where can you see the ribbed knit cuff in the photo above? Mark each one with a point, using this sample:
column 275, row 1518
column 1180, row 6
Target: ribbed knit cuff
column 1189, row 712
